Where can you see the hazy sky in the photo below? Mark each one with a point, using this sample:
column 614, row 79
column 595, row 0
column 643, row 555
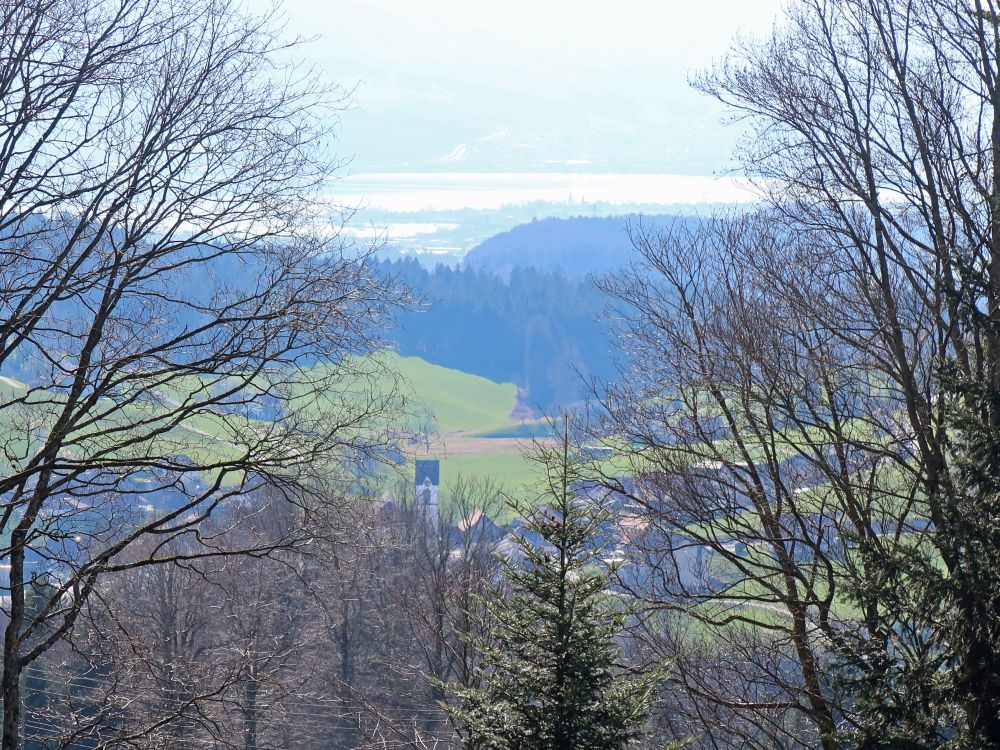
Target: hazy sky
column 527, row 85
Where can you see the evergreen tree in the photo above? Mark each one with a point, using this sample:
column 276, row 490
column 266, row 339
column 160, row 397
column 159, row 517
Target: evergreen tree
column 969, row 539
column 538, row 329
column 549, row 677
column 938, row 686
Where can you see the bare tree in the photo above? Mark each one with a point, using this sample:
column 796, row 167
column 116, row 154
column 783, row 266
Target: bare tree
column 206, row 651
column 407, row 599
column 177, row 308
column 706, row 491
column 789, row 412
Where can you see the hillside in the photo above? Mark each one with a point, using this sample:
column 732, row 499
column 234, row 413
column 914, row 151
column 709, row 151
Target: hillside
column 538, row 329
column 455, row 401
column 573, row 247
column 468, row 418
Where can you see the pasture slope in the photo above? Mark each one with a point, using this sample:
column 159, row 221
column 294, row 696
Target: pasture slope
column 468, row 424
column 464, row 420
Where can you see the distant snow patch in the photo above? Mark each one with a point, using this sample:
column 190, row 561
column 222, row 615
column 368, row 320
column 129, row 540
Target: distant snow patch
column 457, row 154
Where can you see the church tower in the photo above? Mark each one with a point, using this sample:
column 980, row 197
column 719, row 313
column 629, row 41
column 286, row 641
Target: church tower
column 427, row 478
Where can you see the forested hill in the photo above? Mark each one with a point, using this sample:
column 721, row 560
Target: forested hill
column 536, row 329
column 573, row 247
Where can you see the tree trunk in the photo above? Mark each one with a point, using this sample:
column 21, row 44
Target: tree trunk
column 250, row 692
column 346, row 730
column 10, row 684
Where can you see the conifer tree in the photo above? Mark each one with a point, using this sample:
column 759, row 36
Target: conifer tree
column 939, row 683
column 550, row 677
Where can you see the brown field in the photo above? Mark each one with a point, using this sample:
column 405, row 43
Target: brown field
column 456, row 444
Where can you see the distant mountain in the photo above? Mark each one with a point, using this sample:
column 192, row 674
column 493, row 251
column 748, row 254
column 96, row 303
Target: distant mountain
column 573, row 247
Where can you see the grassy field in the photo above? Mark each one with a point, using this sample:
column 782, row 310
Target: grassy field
column 473, row 434
column 456, row 401
column 467, row 419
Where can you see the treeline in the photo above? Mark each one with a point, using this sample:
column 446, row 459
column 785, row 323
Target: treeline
column 324, row 642
column 536, row 329
column 360, row 636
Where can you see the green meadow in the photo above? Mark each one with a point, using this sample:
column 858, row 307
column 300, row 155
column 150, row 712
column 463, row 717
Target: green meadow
column 466, row 418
